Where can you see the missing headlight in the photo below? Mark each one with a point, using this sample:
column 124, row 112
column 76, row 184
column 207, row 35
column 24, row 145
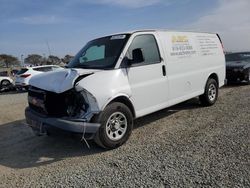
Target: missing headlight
column 70, row 103
column 75, row 104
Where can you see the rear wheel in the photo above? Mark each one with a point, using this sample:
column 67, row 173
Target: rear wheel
column 210, row 95
column 116, row 126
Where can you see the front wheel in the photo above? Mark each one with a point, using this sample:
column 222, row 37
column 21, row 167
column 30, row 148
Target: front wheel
column 210, row 95
column 116, row 126
column 5, row 83
column 248, row 81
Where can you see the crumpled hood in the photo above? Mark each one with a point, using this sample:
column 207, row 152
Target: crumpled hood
column 237, row 64
column 59, row 81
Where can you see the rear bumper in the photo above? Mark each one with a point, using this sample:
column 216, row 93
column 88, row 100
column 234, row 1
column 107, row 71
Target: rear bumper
column 43, row 124
column 235, row 75
column 225, row 82
column 20, row 84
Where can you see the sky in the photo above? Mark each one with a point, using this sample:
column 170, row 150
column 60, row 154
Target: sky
column 61, row 27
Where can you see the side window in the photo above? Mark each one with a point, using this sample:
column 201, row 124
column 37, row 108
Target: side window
column 4, row 73
column 43, row 69
column 149, row 48
column 55, row 68
column 48, row 69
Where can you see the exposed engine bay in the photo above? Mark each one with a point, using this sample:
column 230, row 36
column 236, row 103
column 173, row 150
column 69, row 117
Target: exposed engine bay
column 71, row 103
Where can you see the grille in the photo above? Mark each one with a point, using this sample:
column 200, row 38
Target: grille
column 69, row 103
column 47, row 103
column 36, row 99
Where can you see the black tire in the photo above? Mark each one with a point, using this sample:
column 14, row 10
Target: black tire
column 248, row 81
column 231, row 81
column 26, row 88
column 5, row 83
column 210, row 95
column 102, row 137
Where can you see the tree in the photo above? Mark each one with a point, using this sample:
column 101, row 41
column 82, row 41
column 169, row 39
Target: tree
column 53, row 60
column 67, row 59
column 8, row 60
column 34, row 59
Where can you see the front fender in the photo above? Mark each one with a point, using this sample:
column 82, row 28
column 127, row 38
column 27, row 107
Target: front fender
column 115, row 97
column 106, row 85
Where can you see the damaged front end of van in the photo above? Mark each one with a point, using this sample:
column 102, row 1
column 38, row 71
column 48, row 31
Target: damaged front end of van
column 57, row 102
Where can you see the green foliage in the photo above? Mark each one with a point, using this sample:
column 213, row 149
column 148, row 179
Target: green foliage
column 34, row 59
column 67, row 58
column 8, row 60
column 53, row 60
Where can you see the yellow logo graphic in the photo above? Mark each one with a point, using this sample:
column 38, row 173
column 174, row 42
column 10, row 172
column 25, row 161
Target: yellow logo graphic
column 176, row 39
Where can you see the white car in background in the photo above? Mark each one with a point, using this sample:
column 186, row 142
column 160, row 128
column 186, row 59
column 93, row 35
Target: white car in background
column 25, row 74
column 5, row 80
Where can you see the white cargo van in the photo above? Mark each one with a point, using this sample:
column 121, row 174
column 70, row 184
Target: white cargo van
column 116, row 79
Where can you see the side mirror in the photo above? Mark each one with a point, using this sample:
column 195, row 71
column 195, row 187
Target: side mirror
column 126, row 62
column 137, row 56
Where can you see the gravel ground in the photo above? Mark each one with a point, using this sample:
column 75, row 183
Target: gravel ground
column 184, row 146
column 12, row 105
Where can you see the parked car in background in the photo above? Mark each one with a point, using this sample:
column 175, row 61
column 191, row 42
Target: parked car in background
column 5, row 79
column 25, row 74
column 238, row 67
column 14, row 72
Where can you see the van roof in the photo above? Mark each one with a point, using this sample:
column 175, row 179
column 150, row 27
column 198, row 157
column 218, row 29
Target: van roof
column 160, row 30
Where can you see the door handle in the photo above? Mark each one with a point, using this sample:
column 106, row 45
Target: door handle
column 164, row 70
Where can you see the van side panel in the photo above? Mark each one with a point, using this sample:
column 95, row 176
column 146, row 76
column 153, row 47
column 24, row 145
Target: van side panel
column 190, row 59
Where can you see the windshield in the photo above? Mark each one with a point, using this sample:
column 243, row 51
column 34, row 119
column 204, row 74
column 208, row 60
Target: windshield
column 238, row 56
column 101, row 53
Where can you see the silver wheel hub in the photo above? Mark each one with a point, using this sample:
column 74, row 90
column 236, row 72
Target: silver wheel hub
column 212, row 92
column 5, row 83
column 116, row 126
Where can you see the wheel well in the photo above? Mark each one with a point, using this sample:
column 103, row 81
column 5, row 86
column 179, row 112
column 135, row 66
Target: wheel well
column 215, row 77
column 4, row 80
column 125, row 101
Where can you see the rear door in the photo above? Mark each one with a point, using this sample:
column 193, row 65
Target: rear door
column 148, row 79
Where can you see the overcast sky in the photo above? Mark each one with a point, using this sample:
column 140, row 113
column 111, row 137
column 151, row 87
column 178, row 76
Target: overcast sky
column 27, row 26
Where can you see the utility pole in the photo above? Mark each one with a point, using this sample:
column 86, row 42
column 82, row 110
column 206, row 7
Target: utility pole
column 48, row 47
column 22, row 61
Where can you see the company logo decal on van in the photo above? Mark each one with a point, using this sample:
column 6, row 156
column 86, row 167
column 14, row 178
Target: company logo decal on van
column 181, row 39
column 182, row 47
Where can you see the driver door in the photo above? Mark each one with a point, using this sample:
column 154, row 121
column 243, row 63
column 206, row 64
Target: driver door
column 148, row 79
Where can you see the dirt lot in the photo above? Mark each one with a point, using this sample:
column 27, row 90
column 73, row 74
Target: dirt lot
column 184, row 146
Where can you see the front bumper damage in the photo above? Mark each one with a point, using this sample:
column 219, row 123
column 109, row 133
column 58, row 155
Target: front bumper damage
column 42, row 124
column 57, row 103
